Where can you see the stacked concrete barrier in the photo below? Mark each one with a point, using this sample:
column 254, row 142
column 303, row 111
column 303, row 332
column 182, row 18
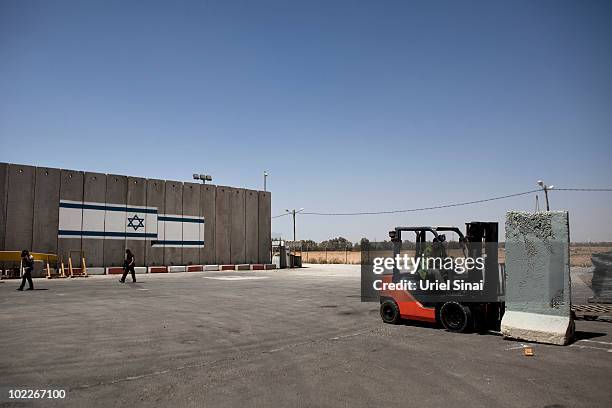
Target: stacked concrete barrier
column 538, row 287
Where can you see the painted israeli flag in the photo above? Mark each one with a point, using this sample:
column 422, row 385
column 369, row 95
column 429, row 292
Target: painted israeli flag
column 119, row 221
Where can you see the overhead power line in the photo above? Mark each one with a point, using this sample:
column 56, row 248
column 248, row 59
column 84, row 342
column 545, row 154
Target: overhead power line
column 436, row 207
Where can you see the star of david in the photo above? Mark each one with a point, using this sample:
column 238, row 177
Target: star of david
column 135, row 222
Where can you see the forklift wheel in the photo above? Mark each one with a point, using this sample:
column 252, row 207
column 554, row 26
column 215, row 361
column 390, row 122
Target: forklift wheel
column 456, row 317
column 389, row 312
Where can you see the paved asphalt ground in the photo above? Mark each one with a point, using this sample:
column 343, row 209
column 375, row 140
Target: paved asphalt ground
column 273, row 338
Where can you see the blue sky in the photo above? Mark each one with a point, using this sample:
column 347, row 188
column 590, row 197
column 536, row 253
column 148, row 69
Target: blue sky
column 349, row 105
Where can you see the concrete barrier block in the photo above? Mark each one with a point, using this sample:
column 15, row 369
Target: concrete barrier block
column 211, row 267
column 46, row 210
column 207, row 205
column 141, row 269
column 257, row 267
column 223, row 225
column 195, row 268
column 96, row 271
column 158, row 269
column 243, row 267
column 227, row 267
column 114, row 270
column 269, row 266
column 538, row 287
column 176, row 268
column 20, row 207
column 537, row 327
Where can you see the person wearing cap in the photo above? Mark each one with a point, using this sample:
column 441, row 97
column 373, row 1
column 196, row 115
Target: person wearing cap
column 27, row 263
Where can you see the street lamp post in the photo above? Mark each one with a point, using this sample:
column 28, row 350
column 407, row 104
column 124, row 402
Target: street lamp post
column 293, row 212
column 545, row 188
column 265, row 177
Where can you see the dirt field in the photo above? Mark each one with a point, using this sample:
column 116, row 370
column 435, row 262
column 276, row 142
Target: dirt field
column 579, row 256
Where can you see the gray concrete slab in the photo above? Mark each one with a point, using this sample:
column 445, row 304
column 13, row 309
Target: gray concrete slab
column 208, row 209
column 251, row 211
column 173, row 253
column 116, row 194
column 273, row 338
column 94, row 191
column 46, row 210
column 191, row 208
column 265, row 221
column 20, row 207
column 238, row 226
column 223, row 224
column 156, row 197
column 3, row 198
column 136, row 196
column 71, row 188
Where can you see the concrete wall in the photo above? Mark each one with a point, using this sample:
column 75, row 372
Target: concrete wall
column 46, row 210
column 71, row 188
column 3, row 197
column 191, row 208
column 116, row 194
column 58, row 211
column 156, row 197
column 208, row 197
column 223, row 225
column 251, row 213
column 173, row 253
column 136, row 198
column 94, row 191
column 238, row 231
column 265, row 219
column 20, row 207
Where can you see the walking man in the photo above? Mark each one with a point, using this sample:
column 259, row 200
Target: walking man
column 128, row 266
column 27, row 263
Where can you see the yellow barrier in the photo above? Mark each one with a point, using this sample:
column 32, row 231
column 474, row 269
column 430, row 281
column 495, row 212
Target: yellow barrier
column 15, row 256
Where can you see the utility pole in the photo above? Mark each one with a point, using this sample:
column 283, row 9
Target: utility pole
column 293, row 212
column 545, row 188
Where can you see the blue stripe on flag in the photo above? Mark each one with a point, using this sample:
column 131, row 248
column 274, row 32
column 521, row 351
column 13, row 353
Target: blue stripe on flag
column 177, row 242
column 103, row 207
column 180, row 219
column 106, row 234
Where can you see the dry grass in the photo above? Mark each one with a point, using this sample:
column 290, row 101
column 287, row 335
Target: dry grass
column 579, row 256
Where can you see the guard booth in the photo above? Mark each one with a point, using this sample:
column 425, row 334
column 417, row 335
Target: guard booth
column 280, row 253
column 283, row 256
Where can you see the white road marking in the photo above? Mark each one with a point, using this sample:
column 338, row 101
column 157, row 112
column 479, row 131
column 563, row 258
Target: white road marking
column 596, row 341
column 591, row 347
column 235, row 278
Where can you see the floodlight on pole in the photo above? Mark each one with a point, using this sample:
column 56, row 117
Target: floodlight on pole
column 203, row 177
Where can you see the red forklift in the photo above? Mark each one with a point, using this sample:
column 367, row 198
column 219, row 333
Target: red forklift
column 455, row 313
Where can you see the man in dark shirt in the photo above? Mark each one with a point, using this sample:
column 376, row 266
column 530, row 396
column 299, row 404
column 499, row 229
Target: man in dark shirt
column 128, row 266
column 27, row 263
